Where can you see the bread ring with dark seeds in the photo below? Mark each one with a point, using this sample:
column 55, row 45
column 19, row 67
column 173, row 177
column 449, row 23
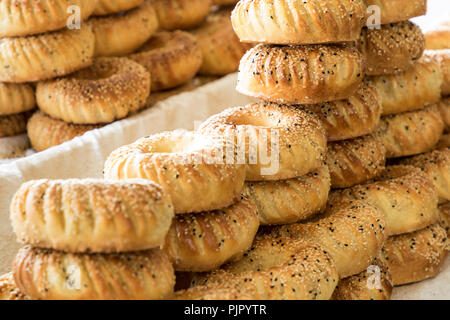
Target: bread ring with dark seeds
column 181, row 14
column 443, row 58
column 16, row 98
column 14, row 124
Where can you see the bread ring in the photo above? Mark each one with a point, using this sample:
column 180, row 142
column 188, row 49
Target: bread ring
column 91, row 215
column 292, row 200
column 114, row 35
column 181, row 14
column 172, row 58
column 9, row 290
column 436, row 165
column 16, row 98
column 403, row 194
column 308, row 273
column 411, row 133
column 205, row 241
column 221, row 48
column 410, row 90
column 45, row 56
column 109, row 90
column 397, row 10
column 45, row 132
column 444, row 220
column 373, row 284
column 105, row 7
column 439, row 38
column 224, row 2
column 355, row 161
column 352, row 232
column 393, row 48
column 293, row 138
column 55, row 275
column 14, row 147
column 184, row 164
column 13, row 124
column 28, row 17
column 444, row 142
column 297, row 21
column 416, row 256
column 353, row 117
column 444, row 108
column 300, row 74
column 443, row 58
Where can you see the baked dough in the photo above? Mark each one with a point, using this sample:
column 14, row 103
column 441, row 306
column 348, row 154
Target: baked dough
column 439, row 38
column 436, row 165
column 16, row 98
column 9, row 290
column 28, row 17
column 298, row 21
column 393, row 48
column 45, row 132
column 353, row 117
column 46, row 55
column 444, row 108
column 403, row 194
column 353, row 232
column 410, row 90
column 205, row 241
column 411, row 133
column 91, row 215
column 416, row 256
column 13, row 124
column 444, row 142
column 355, row 161
column 188, row 165
column 281, row 141
column 444, row 220
column 292, row 200
column 55, row 275
column 110, row 89
column 397, row 10
column 301, row 74
column 104, row 7
column 443, row 58
column 121, row 34
column 172, row 58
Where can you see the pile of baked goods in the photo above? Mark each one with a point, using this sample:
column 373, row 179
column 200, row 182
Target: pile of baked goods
column 331, row 187
column 83, row 74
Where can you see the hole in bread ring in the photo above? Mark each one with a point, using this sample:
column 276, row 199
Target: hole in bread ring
column 109, row 90
column 188, row 165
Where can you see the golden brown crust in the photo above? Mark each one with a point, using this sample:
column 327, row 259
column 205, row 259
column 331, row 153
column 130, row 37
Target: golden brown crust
column 16, row 98
column 45, row 132
column 204, row 241
column 397, row 10
column 172, row 58
column 45, row 56
column 436, row 165
column 353, row 117
column 181, row 14
column 13, row 124
column 375, row 283
column 444, row 220
column 291, row 139
column 416, row 256
column 391, row 49
column 403, row 194
column 411, row 133
column 105, row 7
column 292, row 200
column 123, row 33
column 353, row 232
column 9, row 290
column 28, row 17
column 91, row 215
column 355, row 161
column 224, row 2
column 54, row 275
column 443, row 58
column 444, row 142
column 439, row 38
column 171, row 160
column 444, row 108
column 306, row 274
column 221, row 48
column 298, row 21
column 410, row 90
column 301, row 74
column 109, row 90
